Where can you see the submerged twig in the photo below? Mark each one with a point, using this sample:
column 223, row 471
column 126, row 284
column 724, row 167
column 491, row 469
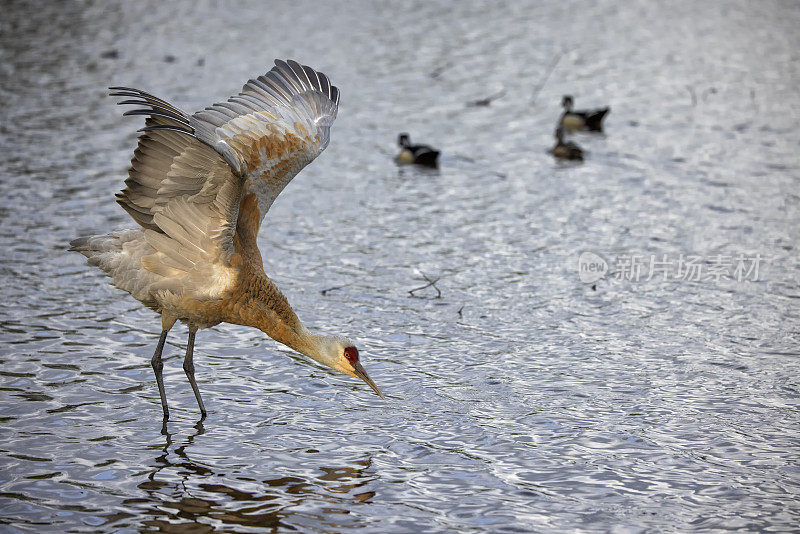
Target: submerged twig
column 709, row 91
column 431, row 283
column 483, row 102
column 547, row 73
column 693, row 94
column 334, row 288
column 440, row 69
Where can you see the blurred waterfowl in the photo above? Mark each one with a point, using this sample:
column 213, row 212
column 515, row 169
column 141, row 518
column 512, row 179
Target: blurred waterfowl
column 566, row 150
column 591, row 119
column 199, row 186
column 484, row 102
column 418, row 154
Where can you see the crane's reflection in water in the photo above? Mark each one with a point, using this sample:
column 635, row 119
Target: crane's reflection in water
column 182, row 491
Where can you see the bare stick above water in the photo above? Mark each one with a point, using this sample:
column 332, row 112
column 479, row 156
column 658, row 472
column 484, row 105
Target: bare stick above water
column 547, row 74
column 431, row 283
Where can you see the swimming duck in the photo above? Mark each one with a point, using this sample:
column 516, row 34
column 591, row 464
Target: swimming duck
column 419, row 154
column 568, row 150
column 590, row 119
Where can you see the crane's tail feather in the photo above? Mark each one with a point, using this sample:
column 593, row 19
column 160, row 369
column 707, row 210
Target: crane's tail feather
column 119, row 255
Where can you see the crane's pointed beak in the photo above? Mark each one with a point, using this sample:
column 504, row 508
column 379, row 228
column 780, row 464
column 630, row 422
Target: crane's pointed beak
column 362, row 374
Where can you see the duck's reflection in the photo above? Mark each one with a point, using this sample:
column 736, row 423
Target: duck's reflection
column 185, row 494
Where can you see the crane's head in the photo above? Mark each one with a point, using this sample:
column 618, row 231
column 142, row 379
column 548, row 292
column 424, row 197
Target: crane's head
column 354, row 368
column 339, row 353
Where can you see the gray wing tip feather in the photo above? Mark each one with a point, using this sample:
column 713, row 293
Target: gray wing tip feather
column 307, row 77
column 153, row 113
column 153, row 106
column 188, row 131
column 273, row 91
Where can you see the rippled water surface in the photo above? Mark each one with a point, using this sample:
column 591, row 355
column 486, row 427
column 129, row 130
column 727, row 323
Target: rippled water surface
column 521, row 399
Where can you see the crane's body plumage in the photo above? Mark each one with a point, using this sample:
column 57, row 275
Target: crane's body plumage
column 199, row 187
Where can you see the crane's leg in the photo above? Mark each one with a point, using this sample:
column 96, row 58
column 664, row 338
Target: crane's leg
column 158, row 367
column 188, row 366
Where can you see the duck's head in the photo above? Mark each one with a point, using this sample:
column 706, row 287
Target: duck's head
column 403, row 140
column 566, row 102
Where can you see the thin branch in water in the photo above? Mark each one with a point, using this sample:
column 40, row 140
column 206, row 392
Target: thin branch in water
column 440, row 69
column 709, row 91
column 459, row 311
column 546, row 76
column 334, row 288
column 431, row 283
column 693, row 95
column 486, row 101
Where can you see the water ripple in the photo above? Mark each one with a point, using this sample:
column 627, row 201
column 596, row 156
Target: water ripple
column 519, row 399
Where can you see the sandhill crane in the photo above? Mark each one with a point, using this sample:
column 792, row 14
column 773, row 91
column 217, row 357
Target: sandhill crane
column 199, row 186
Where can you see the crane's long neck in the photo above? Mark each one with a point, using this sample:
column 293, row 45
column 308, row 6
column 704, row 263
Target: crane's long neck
column 259, row 303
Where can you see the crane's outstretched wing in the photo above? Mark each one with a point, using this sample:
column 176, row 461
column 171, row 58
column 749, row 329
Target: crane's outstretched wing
column 188, row 174
column 273, row 128
column 185, row 196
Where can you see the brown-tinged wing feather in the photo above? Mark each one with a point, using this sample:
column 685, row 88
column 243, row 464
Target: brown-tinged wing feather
column 180, row 190
column 273, row 128
column 188, row 173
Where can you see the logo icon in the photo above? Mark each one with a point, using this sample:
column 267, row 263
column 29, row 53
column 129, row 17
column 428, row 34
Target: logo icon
column 591, row 267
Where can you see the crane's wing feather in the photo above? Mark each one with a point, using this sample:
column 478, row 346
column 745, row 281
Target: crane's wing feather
column 183, row 193
column 189, row 174
column 273, row 128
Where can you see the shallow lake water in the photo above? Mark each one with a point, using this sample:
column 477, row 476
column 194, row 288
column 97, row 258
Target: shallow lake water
column 523, row 394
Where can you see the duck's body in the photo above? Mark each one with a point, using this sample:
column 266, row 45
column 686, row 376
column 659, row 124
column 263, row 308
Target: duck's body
column 199, row 187
column 572, row 120
column 566, row 150
column 417, row 154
